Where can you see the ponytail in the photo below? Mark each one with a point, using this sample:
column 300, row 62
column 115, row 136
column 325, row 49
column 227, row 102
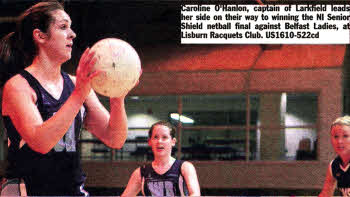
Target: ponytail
column 11, row 59
column 18, row 49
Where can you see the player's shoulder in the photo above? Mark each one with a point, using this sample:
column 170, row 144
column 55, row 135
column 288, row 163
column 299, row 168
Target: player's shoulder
column 137, row 169
column 15, row 89
column 335, row 162
column 137, row 172
column 16, row 83
column 186, row 165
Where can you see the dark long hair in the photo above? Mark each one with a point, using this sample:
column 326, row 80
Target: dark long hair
column 18, row 49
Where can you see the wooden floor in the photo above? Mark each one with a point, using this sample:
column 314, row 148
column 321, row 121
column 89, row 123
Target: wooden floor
column 220, row 192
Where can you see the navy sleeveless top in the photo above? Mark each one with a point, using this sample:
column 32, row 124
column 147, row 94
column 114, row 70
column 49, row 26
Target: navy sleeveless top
column 170, row 183
column 59, row 171
column 341, row 175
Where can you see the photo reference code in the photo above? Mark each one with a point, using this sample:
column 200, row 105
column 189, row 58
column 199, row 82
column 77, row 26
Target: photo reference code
column 292, row 34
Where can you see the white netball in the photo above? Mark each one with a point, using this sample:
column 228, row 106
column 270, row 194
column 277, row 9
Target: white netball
column 121, row 65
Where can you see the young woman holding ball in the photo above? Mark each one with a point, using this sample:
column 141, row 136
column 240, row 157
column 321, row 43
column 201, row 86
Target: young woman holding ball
column 44, row 108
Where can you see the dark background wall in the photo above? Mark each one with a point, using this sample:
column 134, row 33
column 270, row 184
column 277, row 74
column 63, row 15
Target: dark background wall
column 143, row 24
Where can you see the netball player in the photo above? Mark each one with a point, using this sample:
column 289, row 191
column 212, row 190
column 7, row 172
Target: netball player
column 165, row 176
column 338, row 172
column 44, row 108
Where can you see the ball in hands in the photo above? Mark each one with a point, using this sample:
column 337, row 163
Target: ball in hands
column 120, row 65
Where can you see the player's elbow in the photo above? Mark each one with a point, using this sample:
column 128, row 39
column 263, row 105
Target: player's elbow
column 195, row 194
column 126, row 195
column 116, row 144
column 40, row 149
column 43, row 149
column 326, row 192
column 43, row 152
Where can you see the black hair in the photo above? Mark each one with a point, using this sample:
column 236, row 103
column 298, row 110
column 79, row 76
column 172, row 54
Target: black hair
column 18, row 49
column 163, row 123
